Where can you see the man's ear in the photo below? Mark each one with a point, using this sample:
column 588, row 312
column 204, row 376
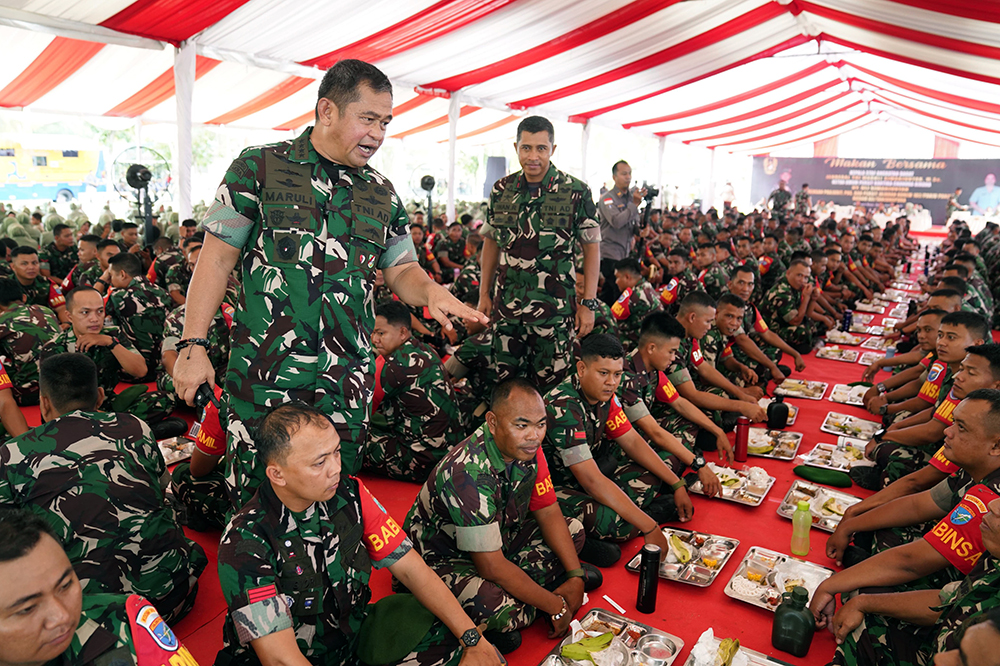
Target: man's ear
column 100, row 397
column 491, row 422
column 275, row 475
column 580, row 367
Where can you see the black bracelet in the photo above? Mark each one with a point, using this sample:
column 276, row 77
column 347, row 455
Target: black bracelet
column 188, row 342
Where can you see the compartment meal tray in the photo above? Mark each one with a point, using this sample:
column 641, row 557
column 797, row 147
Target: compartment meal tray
column 630, row 632
column 695, row 572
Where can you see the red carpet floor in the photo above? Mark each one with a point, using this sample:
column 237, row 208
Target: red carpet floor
column 682, row 610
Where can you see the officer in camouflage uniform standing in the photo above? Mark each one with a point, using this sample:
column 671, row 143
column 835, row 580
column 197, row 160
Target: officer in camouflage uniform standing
column 295, row 562
column 310, row 224
column 138, row 308
column 23, row 330
column 59, row 257
column 415, row 417
column 96, row 478
column 44, row 598
column 535, row 218
column 490, row 505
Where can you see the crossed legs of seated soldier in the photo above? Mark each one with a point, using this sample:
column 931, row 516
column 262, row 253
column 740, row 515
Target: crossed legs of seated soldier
column 386, row 453
column 488, row 603
column 600, row 521
column 150, row 406
column 885, row 641
column 205, row 498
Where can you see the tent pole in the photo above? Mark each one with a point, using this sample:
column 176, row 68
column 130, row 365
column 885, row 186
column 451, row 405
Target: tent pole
column 584, row 140
column 454, row 108
column 184, row 70
column 660, row 150
column 709, row 199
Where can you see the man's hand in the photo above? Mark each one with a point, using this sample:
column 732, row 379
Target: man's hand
column 572, row 592
column 657, row 539
column 753, row 411
column 868, row 293
column 847, row 619
column 485, row 305
column 710, row 483
column 837, row 544
column 869, row 374
column 90, row 340
column 800, row 363
column 584, row 321
column 441, row 303
column 191, row 370
column 685, row 509
column 724, row 448
column 481, row 654
column 637, row 195
column 777, row 375
column 823, row 605
column 807, row 290
column 755, row 392
column 875, row 404
column 870, row 448
column 748, row 376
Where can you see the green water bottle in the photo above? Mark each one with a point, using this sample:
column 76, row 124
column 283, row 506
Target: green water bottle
column 794, row 624
column 801, row 524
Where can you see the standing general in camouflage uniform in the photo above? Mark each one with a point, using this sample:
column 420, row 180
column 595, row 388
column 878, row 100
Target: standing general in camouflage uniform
column 113, row 354
column 638, row 298
column 138, row 308
column 38, row 289
column 778, row 200
column 603, row 471
column 295, row 562
column 535, row 218
column 97, row 479
column 43, row 598
column 415, row 417
column 490, row 507
column 309, row 224
column 23, row 330
column 59, row 257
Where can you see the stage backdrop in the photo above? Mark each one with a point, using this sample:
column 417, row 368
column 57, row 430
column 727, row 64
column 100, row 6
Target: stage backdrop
column 869, row 182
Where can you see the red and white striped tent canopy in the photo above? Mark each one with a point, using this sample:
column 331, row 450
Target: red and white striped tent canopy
column 699, row 71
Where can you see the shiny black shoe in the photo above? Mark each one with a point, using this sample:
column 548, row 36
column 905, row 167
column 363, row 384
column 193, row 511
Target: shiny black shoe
column 504, row 641
column 172, row 426
column 868, row 477
column 592, row 577
column 600, row 553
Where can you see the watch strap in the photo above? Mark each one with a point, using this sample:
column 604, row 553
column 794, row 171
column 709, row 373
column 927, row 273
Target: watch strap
column 470, row 637
column 678, row 484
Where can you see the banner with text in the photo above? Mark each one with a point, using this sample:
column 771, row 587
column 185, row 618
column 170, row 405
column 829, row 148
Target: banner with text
column 870, row 182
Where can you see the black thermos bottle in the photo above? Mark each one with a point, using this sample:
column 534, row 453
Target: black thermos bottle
column 649, row 578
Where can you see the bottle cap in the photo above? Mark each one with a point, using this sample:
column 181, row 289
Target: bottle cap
column 803, row 505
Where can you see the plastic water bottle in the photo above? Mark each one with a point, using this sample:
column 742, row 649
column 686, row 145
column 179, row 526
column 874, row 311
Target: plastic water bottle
column 801, row 524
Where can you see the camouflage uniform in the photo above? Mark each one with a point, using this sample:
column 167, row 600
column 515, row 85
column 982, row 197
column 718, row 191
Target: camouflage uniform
column 58, row 262
column 453, row 250
column 97, row 479
column 533, row 309
column 310, row 572
column 713, row 280
column 604, row 320
column 772, row 270
column 72, row 279
column 577, row 432
column 139, row 310
column 779, row 200
column 785, row 252
column 758, row 282
column 631, row 308
column 471, row 362
column 205, row 498
column 162, row 265
column 43, row 291
column 310, row 246
column 677, row 287
column 475, row 502
column 218, row 343
column 415, row 417
column 466, row 286
column 178, row 277
column 87, row 276
column 23, row 330
column 644, row 391
column 754, row 327
column 716, row 348
column 780, row 306
column 801, row 202
column 151, row 407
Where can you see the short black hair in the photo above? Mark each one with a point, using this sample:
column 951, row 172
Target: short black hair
column 799, row 254
column 946, row 293
column 991, row 396
column 20, row 532
column 832, row 251
column 659, row 324
column 534, row 124
column 696, row 299
column 974, row 323
column 395, row 312
column 965, row 256
column 991, row 352
column 59, row 228
column 9, row 242
column 72, row 294
column 455, row 224
column 934, row 312
column 798, row 262
column 629, row 265
column 129, row 225
column 69, row 381
column 731, row 299
column 90, row 238
column 191, row 240
column 189, row 223
column 677, row 252
column 723, row 245
column 503, row 390
column 706, row 246
column 341, row 83
column 954, row 283
column 22, row 249
column 600, row 345
column 475, row 240
column 10, row 291
column 962, row 271
column 274, row 434
column 128, row 262
column 614, row 167
column 107, row 242
column 744, row 268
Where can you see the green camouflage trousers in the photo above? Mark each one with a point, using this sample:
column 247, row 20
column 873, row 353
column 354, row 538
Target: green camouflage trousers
column 897, row 460
column 150, row 406
column 205, row 498
column 488, row 603
column 803, row 334
column 245, row 474
column 389, row 454
column 600, row 521
column 542, row 354
column 884, row 641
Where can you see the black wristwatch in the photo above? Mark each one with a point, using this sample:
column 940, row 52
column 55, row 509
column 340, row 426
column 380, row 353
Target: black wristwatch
column 879, row 434
column 881, row 388
column 883, row 410
column 697, row 463
column 591, row 304
column 470, row 638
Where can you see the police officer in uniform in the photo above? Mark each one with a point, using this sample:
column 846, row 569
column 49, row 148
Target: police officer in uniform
column 310, row 223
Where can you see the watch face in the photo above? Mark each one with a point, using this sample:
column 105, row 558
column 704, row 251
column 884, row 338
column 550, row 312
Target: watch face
column 470, row 637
